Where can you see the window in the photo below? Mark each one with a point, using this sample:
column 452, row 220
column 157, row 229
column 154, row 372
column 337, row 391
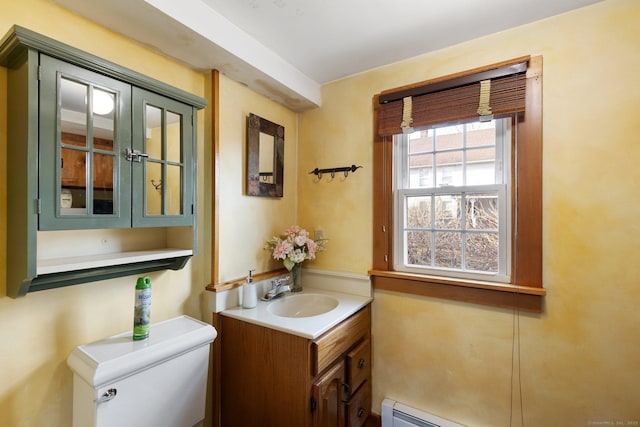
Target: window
column 451, row 196
column 458, row 197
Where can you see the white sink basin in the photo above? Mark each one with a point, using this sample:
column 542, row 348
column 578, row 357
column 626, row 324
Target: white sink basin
column 303, row 305
column 322, row 310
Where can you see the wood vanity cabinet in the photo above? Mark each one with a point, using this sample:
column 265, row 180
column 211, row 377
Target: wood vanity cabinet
column 273, row 378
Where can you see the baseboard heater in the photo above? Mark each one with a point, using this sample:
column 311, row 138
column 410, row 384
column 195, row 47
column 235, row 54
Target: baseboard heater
column 395, row 414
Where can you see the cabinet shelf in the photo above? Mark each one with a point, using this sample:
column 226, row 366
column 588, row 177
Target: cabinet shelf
column 87, row 262
column 109, row 267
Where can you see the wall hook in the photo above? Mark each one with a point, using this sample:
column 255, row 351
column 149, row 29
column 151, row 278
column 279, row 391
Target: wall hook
column 157, row 186
column 332, row 171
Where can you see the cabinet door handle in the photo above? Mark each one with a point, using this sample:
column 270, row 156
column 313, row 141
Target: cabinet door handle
column 361, row 363
column 347, row 392
column 361, row 412
column 135, row 155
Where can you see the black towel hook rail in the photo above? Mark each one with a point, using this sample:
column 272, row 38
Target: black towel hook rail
column 332, row 171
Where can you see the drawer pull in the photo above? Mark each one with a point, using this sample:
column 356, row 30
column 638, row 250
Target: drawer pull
column 361, row 363
column 361, row 412
column 347, row 392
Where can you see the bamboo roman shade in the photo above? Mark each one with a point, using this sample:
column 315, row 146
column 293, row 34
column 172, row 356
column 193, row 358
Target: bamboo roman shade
column 454, row 100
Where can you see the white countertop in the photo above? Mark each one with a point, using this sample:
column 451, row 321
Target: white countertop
column 307, row 327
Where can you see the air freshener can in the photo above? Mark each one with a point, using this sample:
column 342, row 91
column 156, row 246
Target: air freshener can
column 142, row 309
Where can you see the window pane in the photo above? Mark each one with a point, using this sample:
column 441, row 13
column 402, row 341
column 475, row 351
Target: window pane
column 449, row 168
column 419, row 248
column 482, row 212
column 481, row 134
column 421, row 141
column 482, row 252
column 449, row 137
column 448, row 250
column 447, row 214
column 481, row 166
column 421, row 171
column 419, row 212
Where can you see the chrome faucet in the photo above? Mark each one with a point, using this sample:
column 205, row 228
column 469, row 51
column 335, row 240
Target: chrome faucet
column 278, row 288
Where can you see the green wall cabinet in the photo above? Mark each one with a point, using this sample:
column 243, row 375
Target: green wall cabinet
column 101, row 167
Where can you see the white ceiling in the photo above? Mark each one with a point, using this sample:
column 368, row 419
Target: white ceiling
column 286, row 49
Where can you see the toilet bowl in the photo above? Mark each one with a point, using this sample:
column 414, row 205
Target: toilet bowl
column 160, row 381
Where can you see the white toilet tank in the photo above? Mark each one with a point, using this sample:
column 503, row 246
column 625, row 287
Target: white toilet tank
column 158, row 382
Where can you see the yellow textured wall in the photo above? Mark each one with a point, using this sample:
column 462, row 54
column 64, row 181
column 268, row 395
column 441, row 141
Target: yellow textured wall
column 579, row 358
column 338, row 135
column 247, row 222
column 38, row 332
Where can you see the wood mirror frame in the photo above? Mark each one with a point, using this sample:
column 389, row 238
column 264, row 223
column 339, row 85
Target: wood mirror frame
column 266, row 184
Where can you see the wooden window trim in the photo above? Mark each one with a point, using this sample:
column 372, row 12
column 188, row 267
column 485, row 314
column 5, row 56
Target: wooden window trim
column 525, row 289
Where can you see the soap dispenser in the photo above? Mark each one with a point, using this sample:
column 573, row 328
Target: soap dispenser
column 249, row 293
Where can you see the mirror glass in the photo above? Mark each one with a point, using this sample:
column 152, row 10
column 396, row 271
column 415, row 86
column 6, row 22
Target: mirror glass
column 175, row 167
column 153, row 165
column 164, row 167
column 87, row 157
column 265, row 157
column 154, row 194
column 173, row 202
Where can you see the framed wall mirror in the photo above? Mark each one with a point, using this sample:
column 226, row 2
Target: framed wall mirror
column 265, row 157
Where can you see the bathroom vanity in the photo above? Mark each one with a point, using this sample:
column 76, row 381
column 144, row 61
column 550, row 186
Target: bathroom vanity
column 309, row 371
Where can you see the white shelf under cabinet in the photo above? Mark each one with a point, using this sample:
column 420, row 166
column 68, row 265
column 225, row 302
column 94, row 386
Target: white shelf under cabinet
column 85, row 262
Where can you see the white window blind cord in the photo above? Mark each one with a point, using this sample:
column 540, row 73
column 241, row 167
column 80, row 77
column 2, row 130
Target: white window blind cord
column 515, row 343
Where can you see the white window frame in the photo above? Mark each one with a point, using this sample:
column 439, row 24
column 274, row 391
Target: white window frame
column 503, row 190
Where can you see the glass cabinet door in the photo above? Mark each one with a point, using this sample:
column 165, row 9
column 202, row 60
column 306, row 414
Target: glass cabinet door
column 163, row 173
column 84, row 126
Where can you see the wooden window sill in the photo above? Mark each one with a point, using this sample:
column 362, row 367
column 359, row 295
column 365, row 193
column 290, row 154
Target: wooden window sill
column 505, row 295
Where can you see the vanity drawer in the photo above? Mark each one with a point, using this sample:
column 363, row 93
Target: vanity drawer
column 359, row 407
column 359, row 364
column 339, row 340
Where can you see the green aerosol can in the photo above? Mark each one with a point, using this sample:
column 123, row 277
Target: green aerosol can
column 142, row 309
